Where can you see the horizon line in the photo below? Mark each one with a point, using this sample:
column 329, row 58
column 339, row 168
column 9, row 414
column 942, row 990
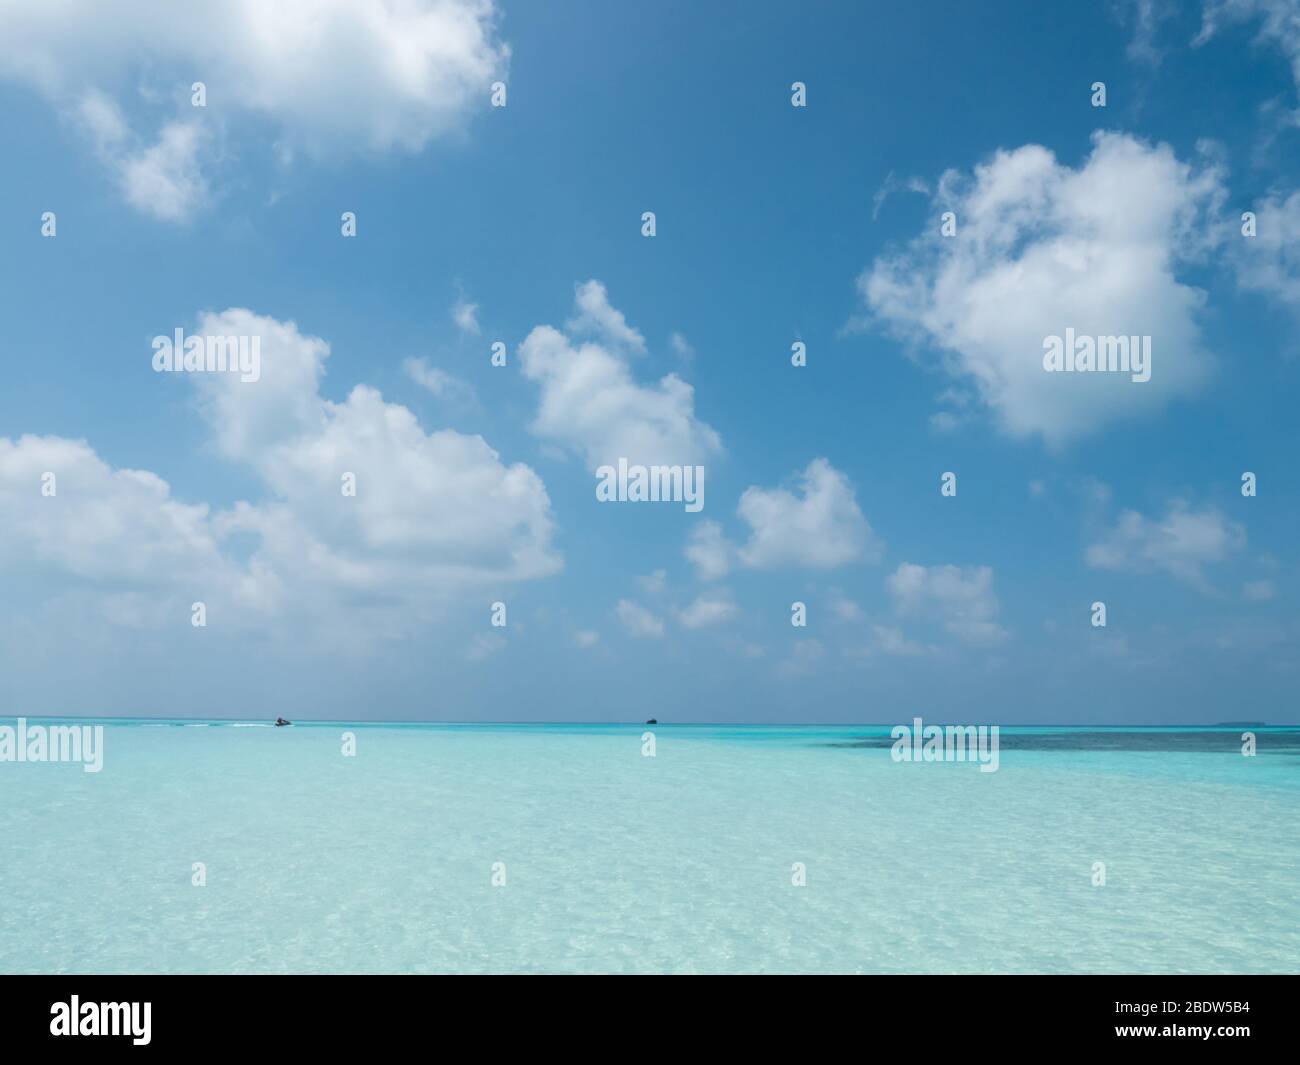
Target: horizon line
column 710, row 724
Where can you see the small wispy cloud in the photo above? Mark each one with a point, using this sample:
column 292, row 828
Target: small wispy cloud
column 638, row 620
column 440, row 383
column 893, row 184
column 465, row 314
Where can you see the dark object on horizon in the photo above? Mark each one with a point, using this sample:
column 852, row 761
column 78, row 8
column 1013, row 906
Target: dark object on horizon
column 652, row 721
column 281, row 721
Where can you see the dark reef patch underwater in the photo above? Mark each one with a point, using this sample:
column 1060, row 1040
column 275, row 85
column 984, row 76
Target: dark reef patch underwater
column 1208, row 741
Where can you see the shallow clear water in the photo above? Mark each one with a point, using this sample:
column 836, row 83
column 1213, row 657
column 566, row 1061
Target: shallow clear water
column 382, row 862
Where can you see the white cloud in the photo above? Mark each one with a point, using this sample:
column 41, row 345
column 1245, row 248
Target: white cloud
column 285, row 404
column 893, row 184
column 709, row 551
column 961, row 599
column 1258, row 591
column 681, row 347
column 844, row 608
column 945, row 421
column 591, row 404
column 484, row 646
column 331, row 77
column 432, row 510
column 1279, row 24
column 1181, row 543
column 166, row 180
column 333, row 73
column 654, row 583
column 596, row 317
column 435, row 515
column 465, row 315
column 1041, row 247
column 102, row 119
column 638, row 620
column 1269, row 262
column 114, row 527
column 804, row 658
column 587, row 638
column 1146, row 16
column 889, row 639
column 439, row 383
column 819, row 525
column 707, row 610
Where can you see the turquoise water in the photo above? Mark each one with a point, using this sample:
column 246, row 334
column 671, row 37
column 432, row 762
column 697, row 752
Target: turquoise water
column 615, row 862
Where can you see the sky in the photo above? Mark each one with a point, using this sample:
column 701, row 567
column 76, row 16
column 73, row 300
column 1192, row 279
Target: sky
column 499, row 160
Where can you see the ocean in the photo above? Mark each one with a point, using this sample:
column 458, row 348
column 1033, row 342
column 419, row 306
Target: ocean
column 235, row 847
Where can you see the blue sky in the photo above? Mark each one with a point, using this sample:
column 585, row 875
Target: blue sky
column 774, row 224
